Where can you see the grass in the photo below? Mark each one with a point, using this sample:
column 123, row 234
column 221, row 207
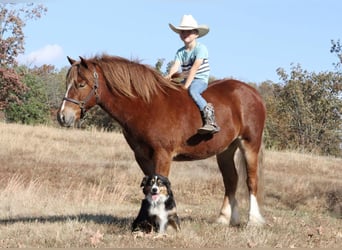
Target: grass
column 72, row 188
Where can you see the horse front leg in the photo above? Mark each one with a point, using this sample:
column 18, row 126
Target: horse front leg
column 153, row 161
column 162, row 162
column 146, row 165
column 143, row 153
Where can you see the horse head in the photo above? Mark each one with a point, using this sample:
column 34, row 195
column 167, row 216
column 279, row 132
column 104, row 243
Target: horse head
column 81, row 92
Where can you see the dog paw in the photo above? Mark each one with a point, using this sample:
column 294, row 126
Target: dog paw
column 160, row 235
column 138, row 234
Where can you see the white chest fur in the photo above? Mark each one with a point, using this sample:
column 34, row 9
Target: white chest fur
column 159, row 211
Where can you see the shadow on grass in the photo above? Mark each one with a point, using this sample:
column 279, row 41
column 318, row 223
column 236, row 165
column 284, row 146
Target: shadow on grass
column 104, row 219
column 331, row 200
column 96, row 218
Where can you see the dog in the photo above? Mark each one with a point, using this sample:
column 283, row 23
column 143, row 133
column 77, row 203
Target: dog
column 158, row 209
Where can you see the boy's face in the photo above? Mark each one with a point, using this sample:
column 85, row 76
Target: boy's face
column 188, row 36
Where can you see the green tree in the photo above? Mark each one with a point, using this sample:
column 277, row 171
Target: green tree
column 305, row 111
column 54, row 82
column 159, row 64
column 269, row 91
column 34, row 108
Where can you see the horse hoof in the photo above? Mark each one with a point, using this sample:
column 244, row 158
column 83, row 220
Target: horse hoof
column 256, row 221
column 222, row 220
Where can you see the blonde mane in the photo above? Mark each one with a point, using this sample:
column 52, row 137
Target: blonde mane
column 130, row 78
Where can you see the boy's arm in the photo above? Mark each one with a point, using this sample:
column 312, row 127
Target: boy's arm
column 192, row 72
column 174, row 68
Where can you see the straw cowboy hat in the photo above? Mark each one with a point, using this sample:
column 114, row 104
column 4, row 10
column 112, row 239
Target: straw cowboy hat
column 189, row 23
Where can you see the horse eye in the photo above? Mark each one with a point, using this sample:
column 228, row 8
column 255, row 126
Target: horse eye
column 81, row 84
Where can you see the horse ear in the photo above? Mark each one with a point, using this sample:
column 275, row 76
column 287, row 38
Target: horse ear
column 71, row 61
column 84, row 62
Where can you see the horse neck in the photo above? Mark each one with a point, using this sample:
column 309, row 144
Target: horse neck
column 130, row 111
column 120, row 107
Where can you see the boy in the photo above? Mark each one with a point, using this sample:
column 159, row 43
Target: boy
column 193, row 59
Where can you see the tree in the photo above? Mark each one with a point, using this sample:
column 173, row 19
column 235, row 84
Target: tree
column 13, row 18
column 33, row 109
column 336, row 47
column 54, row 83
column 305, row 111
column 159, row 64
column 11, row 88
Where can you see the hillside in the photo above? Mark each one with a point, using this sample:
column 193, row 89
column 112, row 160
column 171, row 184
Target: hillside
column 72, row 188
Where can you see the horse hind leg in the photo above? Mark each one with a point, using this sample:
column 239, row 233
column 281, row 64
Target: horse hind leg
column 229, row 210
column 253, row 162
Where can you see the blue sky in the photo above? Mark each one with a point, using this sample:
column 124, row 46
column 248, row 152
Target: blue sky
column 248, row 39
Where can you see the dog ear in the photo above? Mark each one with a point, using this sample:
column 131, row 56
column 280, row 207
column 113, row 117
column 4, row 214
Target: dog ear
column 165, row 180
column 144, row 181
column 167, row 183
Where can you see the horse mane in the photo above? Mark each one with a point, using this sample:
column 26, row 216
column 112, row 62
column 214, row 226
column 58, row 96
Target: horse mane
column 131, row 78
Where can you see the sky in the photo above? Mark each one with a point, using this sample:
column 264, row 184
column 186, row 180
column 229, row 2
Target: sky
column 248, row 39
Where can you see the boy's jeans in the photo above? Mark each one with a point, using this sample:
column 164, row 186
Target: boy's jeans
column 195, row 90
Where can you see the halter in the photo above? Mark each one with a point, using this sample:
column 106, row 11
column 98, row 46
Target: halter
column 93, row 91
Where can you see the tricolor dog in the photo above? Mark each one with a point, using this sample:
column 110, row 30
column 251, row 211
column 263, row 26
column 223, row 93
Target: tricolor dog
column 158, row 209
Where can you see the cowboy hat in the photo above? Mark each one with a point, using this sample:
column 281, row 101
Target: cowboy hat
column 189, row 23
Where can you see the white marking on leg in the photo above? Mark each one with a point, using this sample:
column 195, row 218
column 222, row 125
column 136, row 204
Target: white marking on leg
column 235, row 217
column 255, row 217
column 224, row 215
column 229, row 212
column 162, row 223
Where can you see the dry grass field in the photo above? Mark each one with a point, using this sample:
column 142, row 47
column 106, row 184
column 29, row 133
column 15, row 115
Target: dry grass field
column 72, row 188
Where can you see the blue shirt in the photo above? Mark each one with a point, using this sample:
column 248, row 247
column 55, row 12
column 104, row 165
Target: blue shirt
column 187, row 59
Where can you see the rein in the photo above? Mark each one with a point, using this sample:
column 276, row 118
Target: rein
column 82, row 104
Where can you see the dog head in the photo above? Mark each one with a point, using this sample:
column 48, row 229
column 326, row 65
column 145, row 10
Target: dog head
column 156, row 188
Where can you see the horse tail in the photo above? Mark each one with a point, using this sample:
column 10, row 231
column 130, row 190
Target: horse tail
column 261, row 180
column 241, row 168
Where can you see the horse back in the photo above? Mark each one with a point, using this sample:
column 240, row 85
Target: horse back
column 237, row 105
column 242, row 100
column 239, row 108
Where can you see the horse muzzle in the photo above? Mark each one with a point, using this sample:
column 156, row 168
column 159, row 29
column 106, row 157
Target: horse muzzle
column 66, row 119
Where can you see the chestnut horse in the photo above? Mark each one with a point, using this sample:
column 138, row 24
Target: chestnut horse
column 160, row 120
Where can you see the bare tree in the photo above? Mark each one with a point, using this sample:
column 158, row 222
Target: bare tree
column 13, row 18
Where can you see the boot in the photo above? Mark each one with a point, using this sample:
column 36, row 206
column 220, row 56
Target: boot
column 208, row 116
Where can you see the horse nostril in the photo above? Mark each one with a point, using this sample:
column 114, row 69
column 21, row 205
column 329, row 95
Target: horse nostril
column 61, row 118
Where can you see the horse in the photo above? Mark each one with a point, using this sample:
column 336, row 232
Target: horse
column 159, row 121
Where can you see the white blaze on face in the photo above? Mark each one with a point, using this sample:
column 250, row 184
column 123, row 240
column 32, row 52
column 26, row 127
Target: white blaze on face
column 66, row 95
column 155, row 191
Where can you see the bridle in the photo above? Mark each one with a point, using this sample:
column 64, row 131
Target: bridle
column 93, row 91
